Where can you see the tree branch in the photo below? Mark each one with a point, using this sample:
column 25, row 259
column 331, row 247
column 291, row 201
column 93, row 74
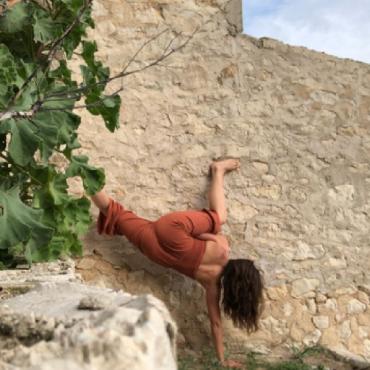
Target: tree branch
column 65, row 95
column 86, row 105
column 165, row 54
column 51, row 53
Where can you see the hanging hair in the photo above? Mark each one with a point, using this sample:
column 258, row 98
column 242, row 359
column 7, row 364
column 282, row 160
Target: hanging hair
column 242, row 298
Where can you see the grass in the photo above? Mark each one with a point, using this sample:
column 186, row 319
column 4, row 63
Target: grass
column 308, row 358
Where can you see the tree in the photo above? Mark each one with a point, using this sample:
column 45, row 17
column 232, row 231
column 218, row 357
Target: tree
column 39, row 220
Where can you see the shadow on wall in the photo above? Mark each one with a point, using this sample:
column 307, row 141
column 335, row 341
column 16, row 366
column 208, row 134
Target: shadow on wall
column 133, row 273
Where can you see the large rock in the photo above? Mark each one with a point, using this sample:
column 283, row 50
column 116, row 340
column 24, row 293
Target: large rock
column 69, row 325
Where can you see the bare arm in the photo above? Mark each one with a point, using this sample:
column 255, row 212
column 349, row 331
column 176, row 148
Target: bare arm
column 101, row 200
column 214, row 313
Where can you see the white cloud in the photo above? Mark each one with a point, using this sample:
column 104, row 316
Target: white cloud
column 338, row 27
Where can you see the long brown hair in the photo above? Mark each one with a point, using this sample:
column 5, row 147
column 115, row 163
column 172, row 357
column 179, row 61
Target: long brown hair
column 242, row 288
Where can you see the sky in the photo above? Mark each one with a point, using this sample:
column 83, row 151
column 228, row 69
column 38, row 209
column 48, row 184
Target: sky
column 337, row 27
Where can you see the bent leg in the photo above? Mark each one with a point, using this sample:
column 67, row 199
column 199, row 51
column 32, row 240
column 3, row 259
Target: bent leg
column 216, row 194
column 187, row 223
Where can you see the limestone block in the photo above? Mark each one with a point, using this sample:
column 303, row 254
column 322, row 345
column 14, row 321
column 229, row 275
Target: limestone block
column 354, row 306
column 337, row 263
column 287, row 309
column 331, row 304
column 345, row 330
column 313, row 338
column 241, row 212
column 320, row 298
column 261, row 167
column 311, row 305
column 342, row 194
column 325, row 97
column 297, row 194
column 277, row 293
column 269, row 191
column 339, row 317
column 349, row 290
column 122, row 331
column 268, row 179
column 364, row 332
column 354, row 324
column 304, row 286
column 356, row 344
column 330, row 337
column 364, row 318
column 304, row 251
column 321, row 322
column 274, row 326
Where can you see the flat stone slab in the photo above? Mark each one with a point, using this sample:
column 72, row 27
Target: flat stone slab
column 70, row 325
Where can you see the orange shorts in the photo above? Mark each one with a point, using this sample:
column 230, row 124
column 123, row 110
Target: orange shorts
column 170, row 241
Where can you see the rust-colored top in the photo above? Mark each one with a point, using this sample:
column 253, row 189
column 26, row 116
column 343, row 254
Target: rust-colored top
column 171, row 241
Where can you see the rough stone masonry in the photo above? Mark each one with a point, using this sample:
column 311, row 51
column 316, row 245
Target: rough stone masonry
column 300, row 122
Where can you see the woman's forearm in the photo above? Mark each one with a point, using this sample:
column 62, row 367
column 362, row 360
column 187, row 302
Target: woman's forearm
column 217, row 334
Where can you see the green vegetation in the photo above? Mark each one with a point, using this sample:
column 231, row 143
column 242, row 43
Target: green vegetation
column 39, row 220
column 39, row 101
column 309, row 358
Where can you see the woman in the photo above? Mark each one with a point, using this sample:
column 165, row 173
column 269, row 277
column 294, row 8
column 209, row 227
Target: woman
column 190, row 243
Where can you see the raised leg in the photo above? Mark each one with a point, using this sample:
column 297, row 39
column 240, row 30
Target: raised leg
column 216, row 194
column 101, row 200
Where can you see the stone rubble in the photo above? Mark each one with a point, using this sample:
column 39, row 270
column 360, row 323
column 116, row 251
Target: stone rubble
column 60, row 325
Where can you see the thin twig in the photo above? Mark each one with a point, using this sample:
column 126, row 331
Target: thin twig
column 133, row 58
column 123, row 73
column 160, row 59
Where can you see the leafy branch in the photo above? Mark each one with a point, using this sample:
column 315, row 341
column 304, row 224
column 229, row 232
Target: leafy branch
column 167, row 52
column 49, row 58
column 39, row 219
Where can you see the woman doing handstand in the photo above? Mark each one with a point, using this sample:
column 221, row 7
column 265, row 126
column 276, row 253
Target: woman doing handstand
column 190, row 243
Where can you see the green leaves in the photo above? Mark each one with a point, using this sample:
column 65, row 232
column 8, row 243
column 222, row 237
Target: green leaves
column 9, row 76
column 24, row 141
column 45, row 131
column 20, row 223
column 93, row 178
column 44, row 27
column 39, row 220
column 108, row 107
column 73, row 5
column 14, row 19
column 95, row 75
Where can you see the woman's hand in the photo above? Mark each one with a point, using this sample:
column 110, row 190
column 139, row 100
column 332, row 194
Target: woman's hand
column 232, row 364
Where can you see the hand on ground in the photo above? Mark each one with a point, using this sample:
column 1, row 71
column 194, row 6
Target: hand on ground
column 232, row 364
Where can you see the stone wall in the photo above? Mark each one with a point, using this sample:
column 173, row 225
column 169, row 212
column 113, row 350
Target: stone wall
column 300, row 122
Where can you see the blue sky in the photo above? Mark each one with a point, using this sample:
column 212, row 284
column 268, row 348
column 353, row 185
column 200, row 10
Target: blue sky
column 338, row 27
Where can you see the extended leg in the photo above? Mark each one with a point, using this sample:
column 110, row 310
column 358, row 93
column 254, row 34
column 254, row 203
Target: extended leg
column 101, row 200
column 216, row 195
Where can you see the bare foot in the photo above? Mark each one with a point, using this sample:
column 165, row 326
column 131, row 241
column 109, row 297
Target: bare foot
column 225, row 165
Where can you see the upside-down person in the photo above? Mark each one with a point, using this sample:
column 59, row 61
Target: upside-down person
column 190, row 242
